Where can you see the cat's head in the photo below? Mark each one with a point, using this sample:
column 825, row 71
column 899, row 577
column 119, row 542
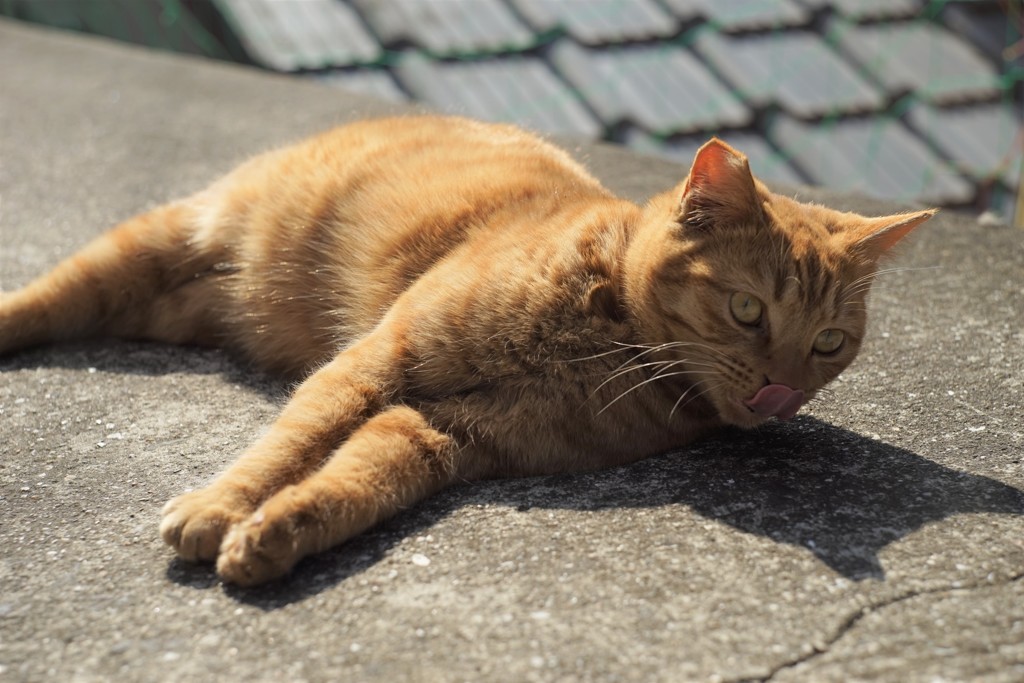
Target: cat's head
column 758, row 299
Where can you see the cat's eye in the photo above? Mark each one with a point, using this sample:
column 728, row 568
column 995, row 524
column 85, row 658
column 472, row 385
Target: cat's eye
column 828, row 341
column 746, row 308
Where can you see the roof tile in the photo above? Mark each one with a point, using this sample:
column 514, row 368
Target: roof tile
column 287, row 35
column 599, row 21
column 664, row 89
column 980, row 139
column 878, row 156
column 919, row 57
column 449, row 28
column 794, row 69
column 869, row 9
column 520, row 89
column 743, row 15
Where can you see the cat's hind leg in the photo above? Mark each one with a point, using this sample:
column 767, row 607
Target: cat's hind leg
column 394, row 460
column 143, row 279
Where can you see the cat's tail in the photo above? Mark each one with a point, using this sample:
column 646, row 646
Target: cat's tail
column 142, row 279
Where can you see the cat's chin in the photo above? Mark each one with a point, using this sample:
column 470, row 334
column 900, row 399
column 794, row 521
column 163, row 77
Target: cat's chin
column 735, row 414
column 738, row 415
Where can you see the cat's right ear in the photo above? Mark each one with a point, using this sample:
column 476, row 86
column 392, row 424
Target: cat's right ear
column 719, row 190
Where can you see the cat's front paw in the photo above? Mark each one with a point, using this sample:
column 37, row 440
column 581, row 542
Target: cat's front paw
column 195, row 523
column 258, row 550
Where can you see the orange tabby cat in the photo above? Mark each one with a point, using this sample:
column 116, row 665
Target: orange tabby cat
column 468, row 302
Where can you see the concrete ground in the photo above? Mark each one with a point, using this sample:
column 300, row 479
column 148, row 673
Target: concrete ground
column 880, row 536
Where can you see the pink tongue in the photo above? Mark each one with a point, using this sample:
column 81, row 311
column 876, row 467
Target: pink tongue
column 776, row 400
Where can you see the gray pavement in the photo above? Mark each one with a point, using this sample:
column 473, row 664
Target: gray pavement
column 878, row 537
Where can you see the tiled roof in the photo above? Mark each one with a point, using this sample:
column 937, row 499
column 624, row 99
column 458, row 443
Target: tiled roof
column 869, row 9
column 795, row 70
column 520, row 89
column 596, row 22
column 919, row 57
column 869, row 95
column 448, row 28
column 662, row 88
column 905, row 99
column 313, row 34
column 743, row 15
column 983, row 140
column 877, row 156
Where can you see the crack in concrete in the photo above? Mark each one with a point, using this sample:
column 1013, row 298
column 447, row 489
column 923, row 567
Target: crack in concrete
column 847, row 624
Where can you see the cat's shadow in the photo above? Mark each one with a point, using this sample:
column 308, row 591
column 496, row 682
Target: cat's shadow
column 838, row 495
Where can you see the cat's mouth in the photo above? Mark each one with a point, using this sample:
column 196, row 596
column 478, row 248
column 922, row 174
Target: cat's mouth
column 772, row 400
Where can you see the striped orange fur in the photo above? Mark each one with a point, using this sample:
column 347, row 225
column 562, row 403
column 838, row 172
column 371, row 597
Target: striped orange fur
column 464, row 300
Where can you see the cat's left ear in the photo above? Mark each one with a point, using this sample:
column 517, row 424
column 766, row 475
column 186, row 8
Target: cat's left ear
column 719, row 190
column 876, row 236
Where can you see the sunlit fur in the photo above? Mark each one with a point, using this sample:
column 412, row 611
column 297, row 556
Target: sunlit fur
column 464, row 301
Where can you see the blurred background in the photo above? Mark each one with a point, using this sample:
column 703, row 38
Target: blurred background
column 910, row 100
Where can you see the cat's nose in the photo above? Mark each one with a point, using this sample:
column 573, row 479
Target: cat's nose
column 776, row 400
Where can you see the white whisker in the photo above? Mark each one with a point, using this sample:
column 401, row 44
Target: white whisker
column 711, row 388
column 619, row 372
column 646, row 381
column 593, row 357
column 865, row 282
